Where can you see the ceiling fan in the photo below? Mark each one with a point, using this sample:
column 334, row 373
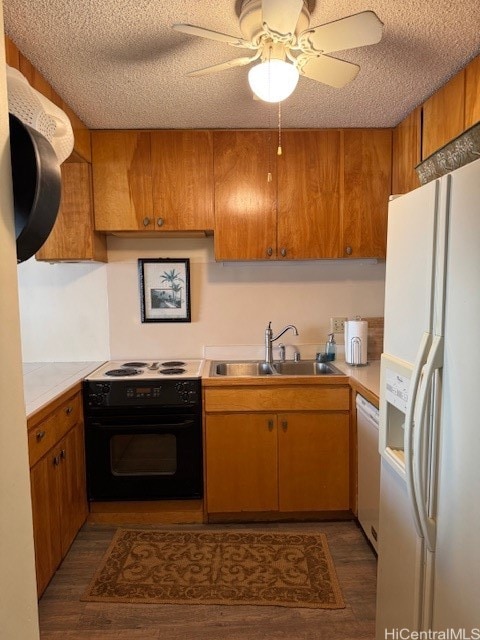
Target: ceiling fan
column 278, row 33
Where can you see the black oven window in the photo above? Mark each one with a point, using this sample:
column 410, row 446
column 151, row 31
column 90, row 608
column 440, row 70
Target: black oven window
column 143, row 455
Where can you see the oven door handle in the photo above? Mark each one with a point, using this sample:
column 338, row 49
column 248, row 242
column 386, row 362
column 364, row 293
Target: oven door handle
column 139, row 425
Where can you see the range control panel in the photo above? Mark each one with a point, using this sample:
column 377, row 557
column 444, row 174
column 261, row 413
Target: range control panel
column 124, row 393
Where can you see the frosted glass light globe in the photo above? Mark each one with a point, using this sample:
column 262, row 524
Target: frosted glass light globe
column 274, row 80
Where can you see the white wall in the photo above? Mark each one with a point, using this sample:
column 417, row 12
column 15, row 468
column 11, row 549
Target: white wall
column 76, row 312
column 232, row 303
column 18, row 593
column 64, row 311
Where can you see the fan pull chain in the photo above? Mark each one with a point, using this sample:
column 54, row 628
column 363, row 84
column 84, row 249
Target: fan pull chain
column 279, row 148
column 269, row 172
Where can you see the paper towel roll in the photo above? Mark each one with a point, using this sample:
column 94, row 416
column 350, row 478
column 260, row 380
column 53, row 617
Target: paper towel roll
column 356, row 341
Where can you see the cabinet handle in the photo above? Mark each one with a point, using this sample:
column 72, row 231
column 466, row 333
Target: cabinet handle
column 146, row 221
column 284, row 425
column 348, row 250
column 68, row 410
column 283, row 252
column 269, row 251
column 160, row 222
column 56, row 460
column 270, row 425
column 63, row 454
column 40, row 435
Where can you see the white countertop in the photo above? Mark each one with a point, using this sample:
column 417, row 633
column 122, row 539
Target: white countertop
column 46, row 381
column 43, row 382
column 368, row 376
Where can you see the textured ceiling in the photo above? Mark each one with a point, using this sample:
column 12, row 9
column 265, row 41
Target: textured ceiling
column 119, row 64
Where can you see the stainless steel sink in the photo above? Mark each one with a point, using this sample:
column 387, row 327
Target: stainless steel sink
column 306, row 368
column 251, row 368
column 242, row 369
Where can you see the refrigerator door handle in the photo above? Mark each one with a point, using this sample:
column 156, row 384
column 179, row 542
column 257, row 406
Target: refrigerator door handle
column 409, row 422
column 434, row 362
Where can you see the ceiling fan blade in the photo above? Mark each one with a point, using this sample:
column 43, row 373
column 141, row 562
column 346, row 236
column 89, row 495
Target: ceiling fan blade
column 281, row 16
column 332, row 71
column 236, row 62
column 192, row 30
column 347, row 33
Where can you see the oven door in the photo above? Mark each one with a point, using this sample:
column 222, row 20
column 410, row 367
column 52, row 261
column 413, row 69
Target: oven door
column 144, row 459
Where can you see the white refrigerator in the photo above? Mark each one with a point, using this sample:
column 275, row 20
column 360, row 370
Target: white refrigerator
column 429, row 440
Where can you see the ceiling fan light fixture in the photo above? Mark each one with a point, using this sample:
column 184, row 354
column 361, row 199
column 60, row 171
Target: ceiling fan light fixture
column 273, row 80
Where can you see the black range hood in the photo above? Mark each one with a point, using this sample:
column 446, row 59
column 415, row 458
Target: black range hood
column 36, row 181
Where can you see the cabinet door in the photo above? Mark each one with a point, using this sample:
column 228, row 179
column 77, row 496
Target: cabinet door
column 72, row 486
column 407, row 152
column 46, row 519
column 443, row 115
column 309, row 195
column 367, row 186
column 472, row 93
column 241, row 462
column 245, row 185
column 75, row 213
column 313, row 461
column 122, row 181
column 182, row 175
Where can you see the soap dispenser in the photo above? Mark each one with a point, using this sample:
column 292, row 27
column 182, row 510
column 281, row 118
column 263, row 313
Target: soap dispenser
column 330, row 347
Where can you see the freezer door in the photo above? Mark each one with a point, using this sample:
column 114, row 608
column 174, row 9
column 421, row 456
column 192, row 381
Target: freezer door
column 457, row 566
column 409, row 283
column 400, row 559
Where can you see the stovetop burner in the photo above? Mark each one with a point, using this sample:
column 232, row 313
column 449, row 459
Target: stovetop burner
column 134, row 364
column 148, row 370
column 120, row 373
column 171, row 371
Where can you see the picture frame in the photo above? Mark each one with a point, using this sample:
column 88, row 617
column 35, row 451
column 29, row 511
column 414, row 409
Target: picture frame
column 164, row 289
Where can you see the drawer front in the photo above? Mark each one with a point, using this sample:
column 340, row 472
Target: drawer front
column 281, row 398
column 48, row 432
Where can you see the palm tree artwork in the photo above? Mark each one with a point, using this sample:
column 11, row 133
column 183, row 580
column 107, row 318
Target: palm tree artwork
column 169, row 297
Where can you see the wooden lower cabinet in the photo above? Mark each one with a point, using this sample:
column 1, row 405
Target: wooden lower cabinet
column 58, row 487
column 313, row 461
column 241, row 462
column 286, row 462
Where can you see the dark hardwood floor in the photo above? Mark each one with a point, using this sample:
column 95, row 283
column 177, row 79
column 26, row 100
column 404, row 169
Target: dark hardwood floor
column 64, row 617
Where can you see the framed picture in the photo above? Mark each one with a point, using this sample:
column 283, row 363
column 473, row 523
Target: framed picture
column 165, row 289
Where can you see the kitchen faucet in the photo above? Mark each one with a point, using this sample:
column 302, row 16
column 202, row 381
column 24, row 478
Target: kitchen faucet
column 269, row 338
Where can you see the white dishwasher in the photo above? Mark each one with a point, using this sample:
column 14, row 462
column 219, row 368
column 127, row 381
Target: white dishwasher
column 368, row 468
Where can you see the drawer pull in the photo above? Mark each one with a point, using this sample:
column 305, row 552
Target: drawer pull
column 40, row 435
column 56, row 460
column 270, row 425
column 68, row 410
column 284, row 425
column 63, row 454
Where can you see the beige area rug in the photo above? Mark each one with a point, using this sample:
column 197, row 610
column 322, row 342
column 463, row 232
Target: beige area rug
column 218, row 567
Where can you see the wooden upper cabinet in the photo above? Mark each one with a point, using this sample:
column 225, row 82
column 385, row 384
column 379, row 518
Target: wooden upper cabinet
column 443, row 115
column 153, row 180
column 472, row 93
column 407, row 142
column 366, row 189
column 309, row 195
column 182, row 180
column 73, row 236
column 245, row 187
column 122, row 180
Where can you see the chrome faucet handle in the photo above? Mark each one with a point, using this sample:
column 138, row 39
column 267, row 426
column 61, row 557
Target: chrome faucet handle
column 296, row 356
column 281, row 352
